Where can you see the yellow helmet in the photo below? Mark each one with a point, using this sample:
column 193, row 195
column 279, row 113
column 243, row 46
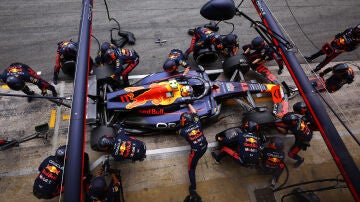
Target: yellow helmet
column 186, row 91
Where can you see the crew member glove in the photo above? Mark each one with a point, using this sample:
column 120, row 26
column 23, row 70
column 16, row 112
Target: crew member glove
column 113, row 76
column 43, row 92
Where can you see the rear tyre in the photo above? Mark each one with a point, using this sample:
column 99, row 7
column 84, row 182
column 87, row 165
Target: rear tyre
column 205, row 56
column 259, row 116
column 68, row 68
column 235, row 62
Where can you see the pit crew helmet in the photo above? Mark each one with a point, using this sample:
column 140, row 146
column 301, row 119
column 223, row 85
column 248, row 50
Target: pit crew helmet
column 109, row 56
column 258, row 43
column 350, row 75
column 106, row 142
column 15, row 83
column 70, row 49
column 251, row 126
column 230, row 40
column 356, row 30
column 186, row 118
column 345, row 72
column 60, row 154
column 186, row 91
column 98, row 188
column 104, row 47
column 300, row 108
column 276, row 143
column 170, row 66
column 290, row 118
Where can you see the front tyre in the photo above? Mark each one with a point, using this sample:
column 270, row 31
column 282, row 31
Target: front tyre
column 235, row 62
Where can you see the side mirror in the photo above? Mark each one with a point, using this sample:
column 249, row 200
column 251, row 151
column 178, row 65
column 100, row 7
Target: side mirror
column 218, row 10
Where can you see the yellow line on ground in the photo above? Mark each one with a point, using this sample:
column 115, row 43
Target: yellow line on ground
column 52, row 118
column 5, row 86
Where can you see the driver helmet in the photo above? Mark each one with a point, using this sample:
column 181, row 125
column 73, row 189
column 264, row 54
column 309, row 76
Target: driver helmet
column 109, row 56
column 106, row 142
column 276, row 143
column 71, row 49
column 186, row 91
column 15, row 83
column 170, row 66
column 60, row 154
column 300, row 108
column 251, row 126
column 258, row 43
column 290, row 119
column 186, row 118
column 98, row 188
column 230, row 40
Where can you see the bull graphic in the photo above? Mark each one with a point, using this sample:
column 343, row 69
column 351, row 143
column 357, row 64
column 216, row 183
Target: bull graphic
column 157, row 94
column 53, row 169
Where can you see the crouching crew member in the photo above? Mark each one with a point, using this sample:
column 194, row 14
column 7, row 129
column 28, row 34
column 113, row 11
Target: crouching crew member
column 123, row 147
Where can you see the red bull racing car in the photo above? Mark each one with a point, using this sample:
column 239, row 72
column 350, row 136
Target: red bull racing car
column 155, row 103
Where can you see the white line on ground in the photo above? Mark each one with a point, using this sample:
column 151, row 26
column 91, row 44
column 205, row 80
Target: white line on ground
column 55, row 138
column 163, row 152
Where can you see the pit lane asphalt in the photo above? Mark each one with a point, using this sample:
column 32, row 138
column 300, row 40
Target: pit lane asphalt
column 30, row 30
column 163, row 173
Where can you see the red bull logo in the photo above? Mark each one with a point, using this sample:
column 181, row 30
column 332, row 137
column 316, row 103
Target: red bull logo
column 207, row 31
column 15, row 69
column 53, row 169
column 304, row 128
column 274, row 160
column 194, row 134
column 122, row 147
column 157, row 94
column 152, row 111
column 174, row 55
column 251, row 140
column 50, row 172
column 125, row 148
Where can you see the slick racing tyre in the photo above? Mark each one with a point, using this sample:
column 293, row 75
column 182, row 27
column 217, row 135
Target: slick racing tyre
column 103, row 72
column 261, row 117
column 235, row 62
column 205, row 56
column 68, row 68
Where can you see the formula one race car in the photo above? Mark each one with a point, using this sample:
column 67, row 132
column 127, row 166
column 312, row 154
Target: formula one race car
column 235, row 67
column 156, row 102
